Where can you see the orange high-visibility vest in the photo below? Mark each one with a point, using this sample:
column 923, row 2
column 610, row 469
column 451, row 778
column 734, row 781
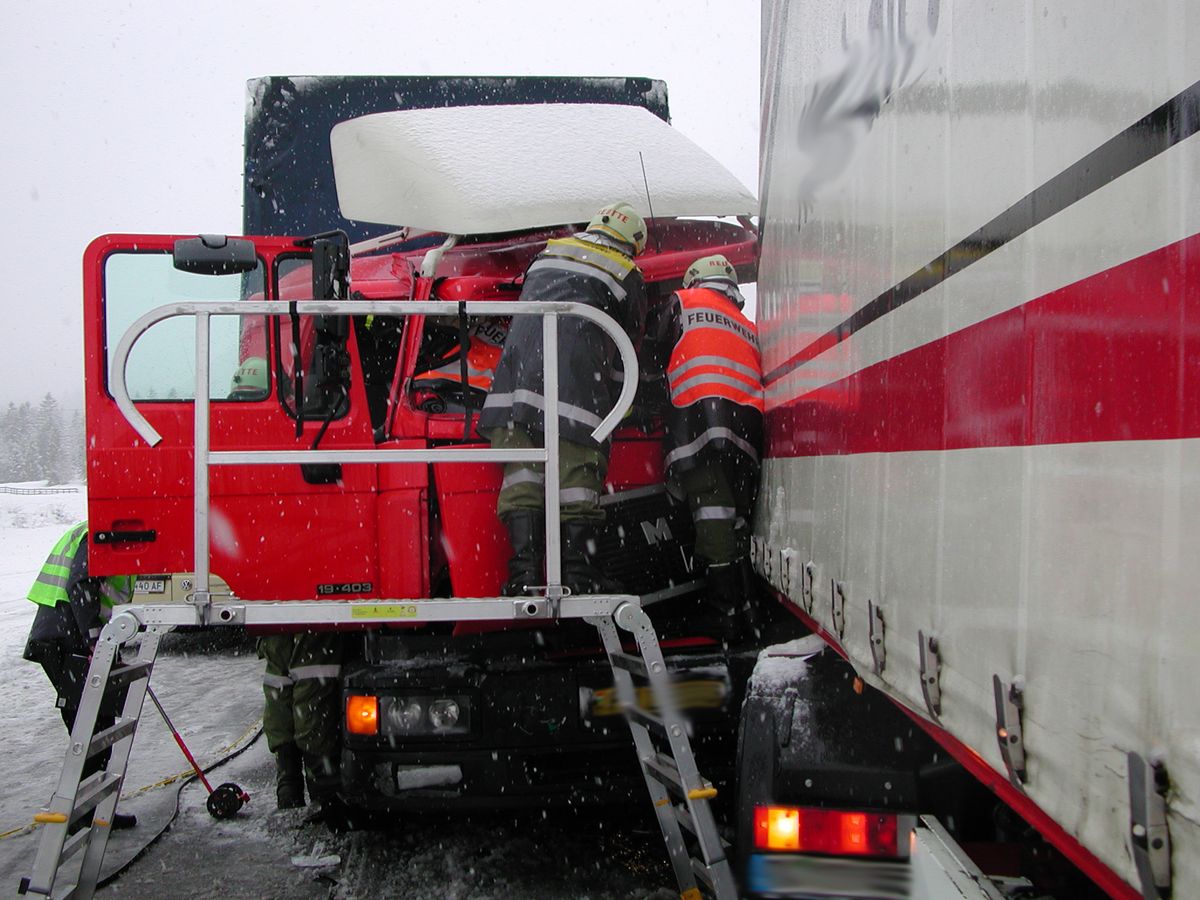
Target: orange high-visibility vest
column 717, row 354
column 487, row 340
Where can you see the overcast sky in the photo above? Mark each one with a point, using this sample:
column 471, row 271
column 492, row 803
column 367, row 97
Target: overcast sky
column 128, row 116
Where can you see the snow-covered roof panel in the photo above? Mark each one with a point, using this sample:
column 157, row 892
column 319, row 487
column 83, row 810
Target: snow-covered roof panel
column 483, row 169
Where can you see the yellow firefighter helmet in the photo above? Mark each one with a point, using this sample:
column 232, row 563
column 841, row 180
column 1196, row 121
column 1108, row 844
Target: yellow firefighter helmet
column 710, row 268
column 621, row 221
column 250, row 380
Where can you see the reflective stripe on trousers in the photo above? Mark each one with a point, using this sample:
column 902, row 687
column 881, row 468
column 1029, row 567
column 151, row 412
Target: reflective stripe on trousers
column 581, row 477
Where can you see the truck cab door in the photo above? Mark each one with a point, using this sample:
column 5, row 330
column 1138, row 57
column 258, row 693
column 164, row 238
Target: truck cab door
column 277, row 531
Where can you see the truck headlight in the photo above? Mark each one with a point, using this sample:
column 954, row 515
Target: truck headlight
column 406, row 716
column 424, row 715
column 443, row 713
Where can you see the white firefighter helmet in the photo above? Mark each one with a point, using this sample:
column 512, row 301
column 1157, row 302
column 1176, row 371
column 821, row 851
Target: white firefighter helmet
column 710, row 268
column 621, row 221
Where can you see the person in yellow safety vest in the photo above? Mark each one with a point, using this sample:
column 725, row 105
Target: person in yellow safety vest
column 714, row 422
column 441, row 376
column 72, row 608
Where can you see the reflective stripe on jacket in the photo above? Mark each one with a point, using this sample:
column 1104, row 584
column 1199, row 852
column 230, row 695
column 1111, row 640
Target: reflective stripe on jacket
column 487, row 343
column 53, row 582
column 717, row 354
column 580, row 269
column 587, row 258
column 50, row 588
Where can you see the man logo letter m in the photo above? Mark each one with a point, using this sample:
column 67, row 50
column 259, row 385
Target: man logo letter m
column 657, row 531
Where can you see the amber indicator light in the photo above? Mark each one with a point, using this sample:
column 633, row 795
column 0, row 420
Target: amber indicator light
column 362, row 714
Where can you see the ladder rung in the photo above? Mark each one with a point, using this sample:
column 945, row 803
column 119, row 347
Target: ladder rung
column 639, row 716
column 92, row 791
column 119, row 677
column 109, row 736
column 73, row 844
column 703, row 875
column 630, row 663
column 663, row 770
column 684, row 815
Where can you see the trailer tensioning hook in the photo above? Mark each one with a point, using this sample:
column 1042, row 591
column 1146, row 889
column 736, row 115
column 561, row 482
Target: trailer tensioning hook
column 228, row 798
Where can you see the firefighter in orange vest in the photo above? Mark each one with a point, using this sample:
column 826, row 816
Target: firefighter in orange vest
column 714, row 422
column 437, row 384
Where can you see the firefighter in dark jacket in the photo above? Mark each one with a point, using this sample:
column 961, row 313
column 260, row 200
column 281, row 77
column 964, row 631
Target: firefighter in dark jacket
column 302, row 716
column 72, row 608
column 713, row 422
column 595, row 267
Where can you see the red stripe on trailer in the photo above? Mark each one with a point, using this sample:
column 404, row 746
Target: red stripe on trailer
column 1113, row 357
column 1104, row 877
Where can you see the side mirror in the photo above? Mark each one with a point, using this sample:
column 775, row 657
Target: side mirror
column 331, row 266
column 215, row 254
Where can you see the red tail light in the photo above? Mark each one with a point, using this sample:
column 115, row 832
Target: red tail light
column 831, row 831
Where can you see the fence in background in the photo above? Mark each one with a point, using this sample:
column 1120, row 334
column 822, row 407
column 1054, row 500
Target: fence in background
column 5, row 489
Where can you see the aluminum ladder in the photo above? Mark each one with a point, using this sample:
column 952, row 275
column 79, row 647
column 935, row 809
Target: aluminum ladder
column 87, row 804
column 680, row 794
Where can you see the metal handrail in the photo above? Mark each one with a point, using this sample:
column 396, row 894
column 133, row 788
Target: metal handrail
column 204, row 457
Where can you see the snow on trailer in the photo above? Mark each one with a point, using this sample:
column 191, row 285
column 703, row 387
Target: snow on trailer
column 982, row 475
column 485, row 169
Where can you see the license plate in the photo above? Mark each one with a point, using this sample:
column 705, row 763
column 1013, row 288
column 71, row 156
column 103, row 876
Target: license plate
column 150, row 586
column 809, row 876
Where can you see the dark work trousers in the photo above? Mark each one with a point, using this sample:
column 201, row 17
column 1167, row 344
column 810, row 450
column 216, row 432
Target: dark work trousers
column 581, row 471
column 68, row 673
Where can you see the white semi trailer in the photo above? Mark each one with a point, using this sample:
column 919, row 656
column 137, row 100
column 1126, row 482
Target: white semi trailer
column 979, row 300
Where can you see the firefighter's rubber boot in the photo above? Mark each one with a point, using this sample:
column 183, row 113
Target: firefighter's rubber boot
column 527, row 533
column 332, row 811
column 334, row 814
column 578, row 571
column 731, row 590
column 289, row 777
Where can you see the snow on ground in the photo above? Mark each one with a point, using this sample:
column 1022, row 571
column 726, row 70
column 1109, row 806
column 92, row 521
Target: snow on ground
column 211, row 689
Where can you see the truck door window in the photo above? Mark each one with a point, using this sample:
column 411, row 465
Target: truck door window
column 162, row 363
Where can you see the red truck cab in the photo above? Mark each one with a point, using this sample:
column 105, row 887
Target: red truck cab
column 296, row 532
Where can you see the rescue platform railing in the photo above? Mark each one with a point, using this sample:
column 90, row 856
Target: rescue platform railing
column 203, row 609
